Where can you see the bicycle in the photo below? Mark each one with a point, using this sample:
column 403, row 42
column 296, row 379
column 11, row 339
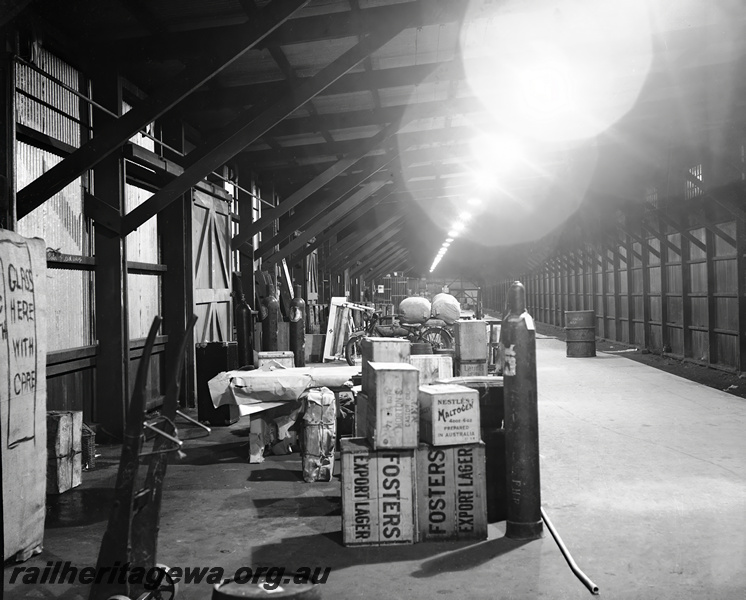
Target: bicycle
column 438, row 337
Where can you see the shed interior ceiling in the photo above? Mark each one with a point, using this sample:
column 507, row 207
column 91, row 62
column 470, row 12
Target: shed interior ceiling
column 655, row 75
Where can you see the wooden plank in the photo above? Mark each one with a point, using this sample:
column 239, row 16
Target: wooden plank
column 116, row 132
column 57, row 260
column 250, row 126
column 390, row 263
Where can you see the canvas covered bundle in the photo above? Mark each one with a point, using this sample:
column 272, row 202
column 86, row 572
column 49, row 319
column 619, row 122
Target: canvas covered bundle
column 319, row 434
column 446, row 308
column 414, row 310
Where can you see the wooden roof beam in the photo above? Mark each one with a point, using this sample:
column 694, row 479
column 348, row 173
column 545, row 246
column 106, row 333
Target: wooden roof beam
column 345, row 252
column 248, row 127
column 355, row 216
column 377, row 141
column 349, row 206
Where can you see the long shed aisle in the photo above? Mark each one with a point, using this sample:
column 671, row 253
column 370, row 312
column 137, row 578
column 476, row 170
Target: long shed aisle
column 642, row 474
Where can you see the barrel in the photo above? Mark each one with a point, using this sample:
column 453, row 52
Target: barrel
column 580, row 326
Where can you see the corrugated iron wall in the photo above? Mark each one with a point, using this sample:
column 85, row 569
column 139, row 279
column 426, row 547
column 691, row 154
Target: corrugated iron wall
column 45, row 106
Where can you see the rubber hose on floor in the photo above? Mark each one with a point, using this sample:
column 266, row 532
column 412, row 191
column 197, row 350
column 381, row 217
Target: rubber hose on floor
column 592, row 587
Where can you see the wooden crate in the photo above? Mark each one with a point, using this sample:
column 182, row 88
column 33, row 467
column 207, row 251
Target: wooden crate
column 449, row 415
column 451, row 493
column 432, row 367
column 471, row 340
column 284, row 358
column 392, row 419
column 471, row 368
column 64, row 472
column 378, row 491
column 385, row 350
column 361, row 415
column 64, row 432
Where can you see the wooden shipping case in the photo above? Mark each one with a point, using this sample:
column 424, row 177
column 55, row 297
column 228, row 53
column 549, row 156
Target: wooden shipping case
column 449, row 414
column 451, row 493
column 432, row 367
column 378, row 495
column 471, row 340
column 392, row 419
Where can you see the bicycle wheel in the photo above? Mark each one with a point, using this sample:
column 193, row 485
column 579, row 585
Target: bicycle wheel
column 437, row 337
column 354, row 351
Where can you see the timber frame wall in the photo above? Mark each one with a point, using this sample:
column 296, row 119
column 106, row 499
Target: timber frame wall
column 668, row 278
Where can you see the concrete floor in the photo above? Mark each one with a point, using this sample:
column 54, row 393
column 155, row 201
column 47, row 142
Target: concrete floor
column 643, row 474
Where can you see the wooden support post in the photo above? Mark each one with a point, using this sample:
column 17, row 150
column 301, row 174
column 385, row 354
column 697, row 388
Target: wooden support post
column 7, row 138
column 112, row 327
column 712, row 353
column 177, row 293
column 603, row 253
column 631, row 294
column 646, row 251
column 741, row 283
column 686, row 288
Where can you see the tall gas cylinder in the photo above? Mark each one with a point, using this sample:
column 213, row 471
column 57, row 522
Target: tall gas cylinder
column 518, row 345
column 271, row 323
column 298, row 327
column 242, row 317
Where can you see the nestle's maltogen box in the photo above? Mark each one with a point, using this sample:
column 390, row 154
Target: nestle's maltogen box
column 377, row 495
column 449, row 414
column 392, row 419
column 451, row 493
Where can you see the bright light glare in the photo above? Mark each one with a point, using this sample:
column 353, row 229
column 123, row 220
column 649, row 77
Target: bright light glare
column 446, row 244
column 458, row 226
column 449, row 239
column 464, row 216
column 551, row 70
column 452, row 234
column 476, row 202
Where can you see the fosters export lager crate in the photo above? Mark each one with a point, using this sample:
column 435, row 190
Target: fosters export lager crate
column 392, row 419
column 284, row 358
column 451, row 493
column 432, row 367
column 449, row 414
column 377, row 495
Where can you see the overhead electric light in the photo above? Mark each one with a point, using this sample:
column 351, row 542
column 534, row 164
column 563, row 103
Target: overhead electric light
column 446, row 244
column 453, row 234
column 449, row 239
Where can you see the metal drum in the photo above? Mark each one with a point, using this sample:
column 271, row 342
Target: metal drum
column 580, row 326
